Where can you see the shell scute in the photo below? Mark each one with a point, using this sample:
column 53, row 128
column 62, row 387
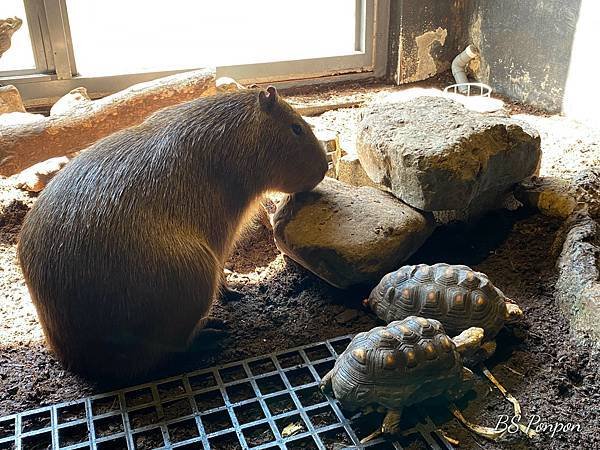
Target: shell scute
column 456, row 295
column 418, row 362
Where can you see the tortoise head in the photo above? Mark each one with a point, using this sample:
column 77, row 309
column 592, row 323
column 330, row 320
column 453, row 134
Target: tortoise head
column 513, row 313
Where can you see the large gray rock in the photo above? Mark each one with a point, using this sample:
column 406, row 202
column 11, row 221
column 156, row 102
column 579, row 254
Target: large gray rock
column 437, row 155
column 578, row 284
column 348, row 235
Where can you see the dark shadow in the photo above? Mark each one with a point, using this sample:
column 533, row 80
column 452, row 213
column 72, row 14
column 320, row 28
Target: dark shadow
column 469, row 244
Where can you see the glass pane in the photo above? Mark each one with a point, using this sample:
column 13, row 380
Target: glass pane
column 19, row 56
column 116, row 36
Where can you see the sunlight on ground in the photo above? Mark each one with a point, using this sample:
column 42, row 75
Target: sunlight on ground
column 18, row 318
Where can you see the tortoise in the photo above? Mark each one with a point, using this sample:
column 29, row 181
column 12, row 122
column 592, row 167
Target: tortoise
column 406, row 362
column 455, row 295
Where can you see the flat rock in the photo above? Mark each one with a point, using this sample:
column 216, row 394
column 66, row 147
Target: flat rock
column 437, row 155
column 348, row 235
column 578, row 284
column 569, row 177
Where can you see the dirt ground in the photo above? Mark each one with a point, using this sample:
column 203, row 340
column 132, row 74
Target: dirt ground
column 284, row 306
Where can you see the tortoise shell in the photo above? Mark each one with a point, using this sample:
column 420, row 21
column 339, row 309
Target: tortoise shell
column 394, row 366
column 455, row 295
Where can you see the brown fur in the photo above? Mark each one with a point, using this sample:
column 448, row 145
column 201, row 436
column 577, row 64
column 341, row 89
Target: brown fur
column 123, row 251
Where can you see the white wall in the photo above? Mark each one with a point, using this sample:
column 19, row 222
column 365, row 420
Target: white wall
column 581, row 100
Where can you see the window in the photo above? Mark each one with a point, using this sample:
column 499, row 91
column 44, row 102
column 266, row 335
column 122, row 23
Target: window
column 19, row 57
column 180, row 34
column 110, row 44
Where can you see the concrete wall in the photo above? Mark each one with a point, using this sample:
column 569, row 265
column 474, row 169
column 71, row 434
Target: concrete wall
column 525, row 47
column 539, row 52
column 425, row 35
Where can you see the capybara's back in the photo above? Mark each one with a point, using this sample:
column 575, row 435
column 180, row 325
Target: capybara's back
column 123, row 251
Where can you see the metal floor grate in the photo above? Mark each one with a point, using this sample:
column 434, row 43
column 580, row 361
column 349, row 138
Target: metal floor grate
column 243, row 405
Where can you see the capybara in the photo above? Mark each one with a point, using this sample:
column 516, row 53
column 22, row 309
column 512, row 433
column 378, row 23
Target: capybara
column 123, row 252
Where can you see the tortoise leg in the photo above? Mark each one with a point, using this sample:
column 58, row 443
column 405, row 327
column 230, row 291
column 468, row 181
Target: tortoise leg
column 483, row 353
column 513, row 313
column 467, row 383
column 488, row 349
column 391, row 422
column 325, row 384
column 390, row 425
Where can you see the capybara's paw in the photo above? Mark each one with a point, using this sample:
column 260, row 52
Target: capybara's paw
column 207, row 340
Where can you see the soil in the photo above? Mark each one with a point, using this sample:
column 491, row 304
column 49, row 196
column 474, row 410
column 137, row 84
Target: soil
column 283, row 305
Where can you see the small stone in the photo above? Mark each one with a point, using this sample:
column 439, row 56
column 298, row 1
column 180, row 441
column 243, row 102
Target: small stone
column 329, row 139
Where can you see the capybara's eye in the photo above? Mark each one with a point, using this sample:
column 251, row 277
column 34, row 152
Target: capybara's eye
column 297, row 129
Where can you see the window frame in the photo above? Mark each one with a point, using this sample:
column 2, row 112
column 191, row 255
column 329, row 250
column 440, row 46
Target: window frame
column 56, row 72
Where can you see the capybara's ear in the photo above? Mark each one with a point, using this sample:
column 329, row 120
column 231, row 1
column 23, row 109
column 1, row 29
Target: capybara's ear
column 268, row 99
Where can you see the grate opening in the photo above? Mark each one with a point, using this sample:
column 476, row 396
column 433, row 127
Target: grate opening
column 138, row 397
column 267, row 402
column 37, row 441
column 305, row 443
column 7, row 428
column 73, row 435
column 249, row 412
column 35, row 421
column 105, row 405
column 108, row 426
column 210, row 399
column 262, row 366
column 112, row 444
column 281, row 404
column 217, row 421
column 72, row 412
column 148, row 439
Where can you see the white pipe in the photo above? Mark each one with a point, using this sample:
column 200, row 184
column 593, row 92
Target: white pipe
column 459, row 65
